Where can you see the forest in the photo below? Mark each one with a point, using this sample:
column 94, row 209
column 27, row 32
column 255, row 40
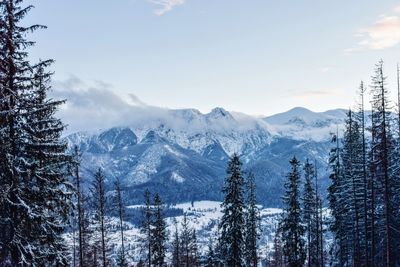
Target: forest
column 47, row 218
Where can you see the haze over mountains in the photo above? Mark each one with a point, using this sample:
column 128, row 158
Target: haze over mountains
column 183, row 153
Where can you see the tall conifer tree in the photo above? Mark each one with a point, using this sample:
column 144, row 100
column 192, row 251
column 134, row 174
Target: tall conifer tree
column 232, row 221
column 34, row 192
column 252, row 220
column 292, row 223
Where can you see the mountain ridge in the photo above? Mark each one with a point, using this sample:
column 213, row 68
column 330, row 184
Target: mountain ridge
column 184, row 156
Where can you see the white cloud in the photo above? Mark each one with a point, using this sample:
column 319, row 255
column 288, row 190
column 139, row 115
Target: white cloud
column 397, row 9
column 165, row 5
column 96, row 106
column 383, row 34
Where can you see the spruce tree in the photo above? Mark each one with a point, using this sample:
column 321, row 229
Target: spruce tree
column 292, row 223
column 365, row 195
column 34, row 194
column 211, row 262
column 82, row 229
column 194, row 250
column 232, row 221
column 350, row 194
column 185, row 240
column 176, row 255
column 119, row 204
column 252, row 220
column 383, row 148
column 146, row 226
column 310, row 216
column 100, row 206
column 158, row 233
column 278, row 257
column 339, row 247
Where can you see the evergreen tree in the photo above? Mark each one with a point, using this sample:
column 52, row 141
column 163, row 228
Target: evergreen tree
column 194, row 253
column 211, row 262
column 158, row 233
column 351, row 191
column 292, row 224
column 278, row 258
column 383, row 149
column 100, row 206
column 232, row 221
column 310, row 215
column 365, row 195
column 176, row 255
column 146, row 226
column 119, row 204
column 185, row 240
column 339, row 245
column 372, row 188
column 34, row 194
column 252, row 219
column 81, row 220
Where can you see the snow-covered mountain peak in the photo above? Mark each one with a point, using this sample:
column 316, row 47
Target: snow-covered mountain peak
column 183, row 152
column 187, row 115
column 219, row 113
column 303, row 124
column 152, row 138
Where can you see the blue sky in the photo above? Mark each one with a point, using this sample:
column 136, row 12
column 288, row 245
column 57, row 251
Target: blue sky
column 253, row 56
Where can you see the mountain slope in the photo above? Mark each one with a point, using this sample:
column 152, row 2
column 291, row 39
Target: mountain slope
column 183, row 155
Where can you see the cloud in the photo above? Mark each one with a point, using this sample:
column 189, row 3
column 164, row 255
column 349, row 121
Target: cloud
column 165, row 5
column 96, row 106
column 383, row 34
column 397, row 9
column 136, row 101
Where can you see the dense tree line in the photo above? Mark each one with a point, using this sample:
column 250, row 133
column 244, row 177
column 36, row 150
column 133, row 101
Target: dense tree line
column 365, row 183
column 299, row 236
column 42, row 199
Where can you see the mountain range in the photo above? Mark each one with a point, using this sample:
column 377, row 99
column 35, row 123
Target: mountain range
column 183, row 153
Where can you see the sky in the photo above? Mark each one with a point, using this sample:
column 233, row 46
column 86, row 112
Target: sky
column 258, row 57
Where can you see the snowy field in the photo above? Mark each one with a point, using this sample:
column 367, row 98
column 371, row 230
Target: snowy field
column 203, row 216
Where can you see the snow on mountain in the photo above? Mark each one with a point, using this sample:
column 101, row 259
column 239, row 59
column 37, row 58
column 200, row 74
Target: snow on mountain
column 303, row 124
column 182, row 154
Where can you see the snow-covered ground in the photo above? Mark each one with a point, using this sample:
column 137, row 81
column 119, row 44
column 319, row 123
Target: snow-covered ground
column 203, row 216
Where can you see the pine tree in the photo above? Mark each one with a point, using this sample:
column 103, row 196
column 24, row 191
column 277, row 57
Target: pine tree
column 119, row 204
column 383, row 148
column 292, row 224
column 35, row 195
column 396, row 176
column 100, row 205
column 278, row 258
column 372, row 189
column 188, row 250
column 194, row 253
column 339, row 246
column 320, row 234
column 310, row 216
column 352, row 188
column 185, row 240
column 232, row 221
column 252, row 219
column 158, row 233
column 176, row 255
column 76, row 160
column 365, row 195
column 211, row 262
column 145, row 226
